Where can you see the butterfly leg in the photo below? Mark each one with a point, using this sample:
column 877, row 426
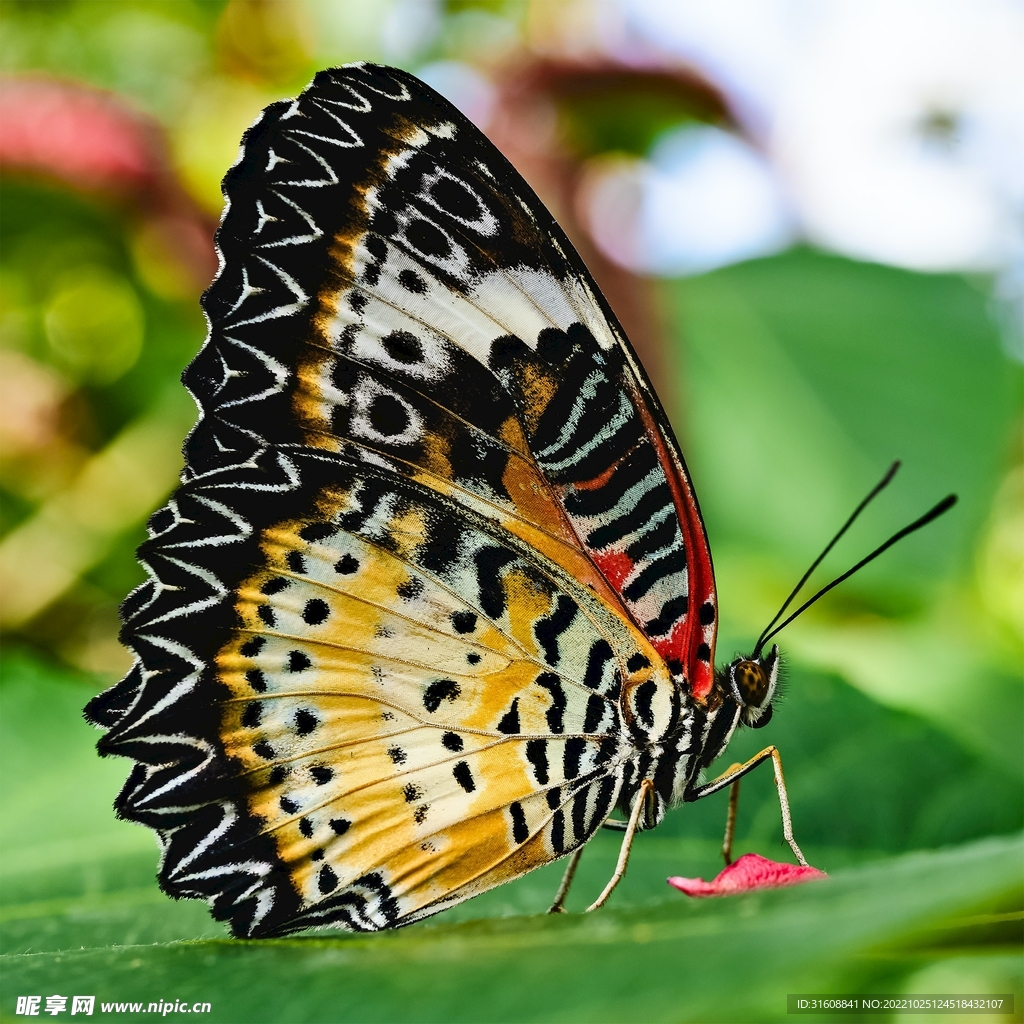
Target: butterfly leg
column 646, row 787
column 734, row 774
column 558, row 907
column 730, row 820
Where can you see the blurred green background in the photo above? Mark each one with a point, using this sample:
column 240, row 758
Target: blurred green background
column 793, row 380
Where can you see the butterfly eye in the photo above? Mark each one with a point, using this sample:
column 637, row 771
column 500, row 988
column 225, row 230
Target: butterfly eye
column 751, row 682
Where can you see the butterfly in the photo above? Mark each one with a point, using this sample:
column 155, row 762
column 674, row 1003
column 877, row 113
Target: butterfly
column 434, row 597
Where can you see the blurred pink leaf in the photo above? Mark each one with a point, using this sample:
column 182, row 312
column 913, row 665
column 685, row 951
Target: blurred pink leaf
column 81, row 135
column 95, row 142
column 748, row 873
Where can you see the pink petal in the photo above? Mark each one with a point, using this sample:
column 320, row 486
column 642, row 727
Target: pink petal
column 747, row 873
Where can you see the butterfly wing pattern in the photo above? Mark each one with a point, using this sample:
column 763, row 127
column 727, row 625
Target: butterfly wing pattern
column 434, row 595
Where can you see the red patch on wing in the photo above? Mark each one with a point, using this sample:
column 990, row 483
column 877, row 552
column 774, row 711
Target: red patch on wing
column 746, row 874
column 703, row 677
column 615, row 566
column 671, row 645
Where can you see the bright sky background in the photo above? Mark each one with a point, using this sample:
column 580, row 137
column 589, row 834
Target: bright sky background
column 887, row 130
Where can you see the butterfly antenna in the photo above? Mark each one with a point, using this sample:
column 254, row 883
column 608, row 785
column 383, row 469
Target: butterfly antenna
column 876, row 490
column 943, row 506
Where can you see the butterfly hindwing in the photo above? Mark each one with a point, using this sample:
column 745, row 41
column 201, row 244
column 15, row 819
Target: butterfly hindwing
column 405, row 686
column 435, row 578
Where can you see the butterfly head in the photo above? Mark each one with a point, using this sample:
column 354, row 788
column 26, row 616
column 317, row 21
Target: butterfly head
column 752, row 682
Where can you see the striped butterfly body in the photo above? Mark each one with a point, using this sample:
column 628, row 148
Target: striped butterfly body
column 434, row 596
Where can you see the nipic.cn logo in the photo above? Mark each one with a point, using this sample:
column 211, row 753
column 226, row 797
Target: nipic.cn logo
column 33, row 1006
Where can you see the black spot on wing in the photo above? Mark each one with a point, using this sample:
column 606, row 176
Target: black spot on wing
column 554, row 346
column 600, row 654
column 506, row 351
column 439, row 690
column 452, row 741
column 537, row 755
column 637, row 661
column 403, row 347
column 375, row 246
column 346, row 565
column 388, row 416
column 314, row 532
column 555, row 713
column 594, row 713
column 489, row 563
column 252, row 647
column 315, row 612
column 410, row 589
column 412, row 282
column 643, row 701
column 548, row 629
column 305, row 722
column 558, row 831
column 573, row 756
column 520, row 830
column 428, row 239
column 464, row 621
column 464, row 776
column 509, row 723
column 298, row 661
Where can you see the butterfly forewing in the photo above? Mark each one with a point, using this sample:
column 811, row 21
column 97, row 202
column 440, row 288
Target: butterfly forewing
column 435, row 579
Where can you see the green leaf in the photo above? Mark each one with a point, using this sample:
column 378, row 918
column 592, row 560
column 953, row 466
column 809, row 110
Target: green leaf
column 718, row 960
column 806, row 375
